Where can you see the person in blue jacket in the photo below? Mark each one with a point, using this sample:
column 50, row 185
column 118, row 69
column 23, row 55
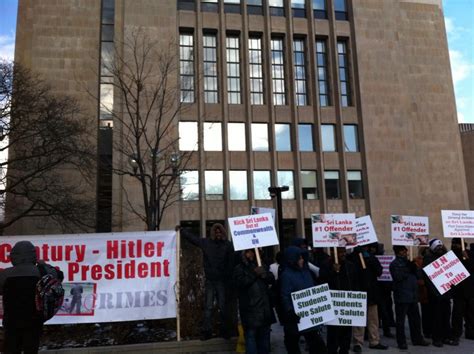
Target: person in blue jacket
column 297, row 276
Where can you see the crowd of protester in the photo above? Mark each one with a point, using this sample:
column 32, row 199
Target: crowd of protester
column 265, row 290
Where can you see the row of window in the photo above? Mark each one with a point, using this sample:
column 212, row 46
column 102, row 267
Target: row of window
column 104, row 166
column 256, row 70
column 276, row 7
column 238, row 186
column 107, row 60
column 236, row 137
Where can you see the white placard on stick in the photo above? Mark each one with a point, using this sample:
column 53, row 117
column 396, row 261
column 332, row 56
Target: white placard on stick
column 350, row 308
column 334, row 230
column 365, row 231
column 458, row 223
column 410, row 230
column 313, row 306
column 446, row 271
column 385, row 262
column 252, row 231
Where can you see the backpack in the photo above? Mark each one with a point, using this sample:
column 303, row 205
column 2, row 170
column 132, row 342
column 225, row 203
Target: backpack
column 49, row 292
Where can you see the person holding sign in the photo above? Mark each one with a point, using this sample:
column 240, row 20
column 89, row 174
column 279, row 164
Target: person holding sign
column 369, row 269
column 218, row 262
column 340, row 276
column 296, row 276
column 463, row 295
column 440, row 305
column 256, row 312
column 405, row 289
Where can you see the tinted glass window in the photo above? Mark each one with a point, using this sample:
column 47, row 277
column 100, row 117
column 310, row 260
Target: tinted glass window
column 305, row 137
column 328, row 137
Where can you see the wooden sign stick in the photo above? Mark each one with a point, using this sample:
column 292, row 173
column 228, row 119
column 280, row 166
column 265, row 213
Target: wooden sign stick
column 362, row 261
column 336, row 259
column 463, row 247
column 257, row 254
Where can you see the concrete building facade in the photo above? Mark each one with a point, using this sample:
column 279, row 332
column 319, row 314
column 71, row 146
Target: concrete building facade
column 348, row 102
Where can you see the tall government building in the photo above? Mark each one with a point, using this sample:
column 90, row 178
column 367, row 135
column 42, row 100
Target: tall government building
column 350, row 103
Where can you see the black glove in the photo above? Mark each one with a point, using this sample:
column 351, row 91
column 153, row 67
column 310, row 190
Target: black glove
column 260, row 271
column 292, row 317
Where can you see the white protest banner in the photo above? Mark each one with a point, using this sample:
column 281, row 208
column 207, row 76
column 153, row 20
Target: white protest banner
column 446, row 272
column 410, row 230
column 259, row 210
column 313, row 306
column 334, row 230
column 123, row 276
column 252, row 231
column 365, row 231
column 350, row 308
column 458, row 223
column 385, row 262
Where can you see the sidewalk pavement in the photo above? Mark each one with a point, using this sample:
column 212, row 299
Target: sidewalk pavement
column 221, row 346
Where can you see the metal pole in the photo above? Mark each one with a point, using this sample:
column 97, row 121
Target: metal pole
column 280, row 216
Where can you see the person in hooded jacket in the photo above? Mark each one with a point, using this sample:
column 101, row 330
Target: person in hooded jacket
column 21, row 321
column 218, row 255
column 340, row 276
column 297, row 276
column 256, row 312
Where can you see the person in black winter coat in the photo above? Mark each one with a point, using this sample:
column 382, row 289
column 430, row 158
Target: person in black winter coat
column 297, row 276
column 341, row 276
column 405, row 291
column 463, row 296
column 256, row 312
column 218, row 266
column 368, row 283
column 439, row 305
column 22, row 323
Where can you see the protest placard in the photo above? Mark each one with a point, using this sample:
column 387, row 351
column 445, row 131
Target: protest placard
column 410, row 230
column 252, row 231
column 385, row 262
column 365, row 231
column 259, row 210
column 350, row 308
column 313, row 306
column 333, row 230
column 458, row 223
column 446, row 272
column 123, row 276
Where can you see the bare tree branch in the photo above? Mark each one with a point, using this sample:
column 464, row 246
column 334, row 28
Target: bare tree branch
column 145, row 79
column 50, row 161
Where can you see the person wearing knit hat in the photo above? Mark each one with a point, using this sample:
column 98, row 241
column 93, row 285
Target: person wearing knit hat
column 21, row 321
column 440, row 305
column 405, row 276
column 434, row 243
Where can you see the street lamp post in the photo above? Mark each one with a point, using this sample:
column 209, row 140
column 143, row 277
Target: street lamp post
column 276, row 192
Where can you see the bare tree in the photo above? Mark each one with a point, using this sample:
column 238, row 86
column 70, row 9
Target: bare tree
column 145, row 81
column 44, row 146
